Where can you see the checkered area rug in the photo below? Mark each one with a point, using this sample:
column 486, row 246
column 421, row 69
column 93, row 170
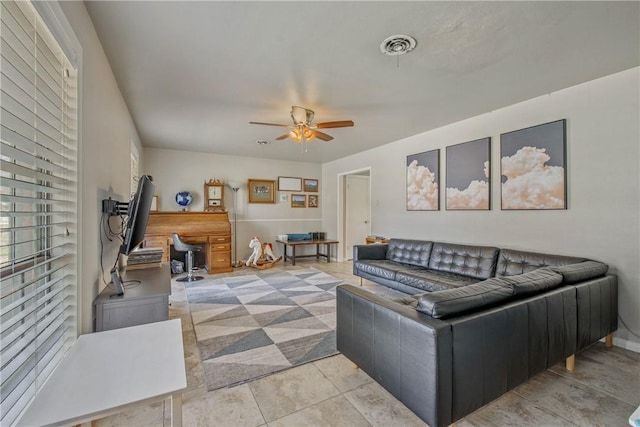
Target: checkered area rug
column 251, row 326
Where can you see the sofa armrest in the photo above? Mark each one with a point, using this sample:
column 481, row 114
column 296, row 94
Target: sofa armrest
column 407, row 352
column 375, row 251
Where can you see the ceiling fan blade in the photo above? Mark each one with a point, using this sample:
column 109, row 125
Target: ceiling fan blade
column 321, row 135
column 269, row 124
column 338, row 124
column 285, row 136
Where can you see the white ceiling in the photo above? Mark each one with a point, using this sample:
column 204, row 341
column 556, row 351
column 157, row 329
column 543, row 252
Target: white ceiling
column 193, row 74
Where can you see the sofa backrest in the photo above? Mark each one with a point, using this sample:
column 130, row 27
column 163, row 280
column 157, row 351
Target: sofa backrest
column 472, row 261
column 482, row 295
column 512, row 262
column 414, row 252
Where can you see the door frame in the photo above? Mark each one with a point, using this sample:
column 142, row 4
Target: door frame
column 341, row 179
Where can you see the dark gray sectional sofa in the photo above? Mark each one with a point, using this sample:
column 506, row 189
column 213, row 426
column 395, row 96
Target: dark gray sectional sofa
column 470, row 322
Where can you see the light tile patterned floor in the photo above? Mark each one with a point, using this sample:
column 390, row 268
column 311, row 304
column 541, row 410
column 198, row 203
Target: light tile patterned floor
column 603, row 391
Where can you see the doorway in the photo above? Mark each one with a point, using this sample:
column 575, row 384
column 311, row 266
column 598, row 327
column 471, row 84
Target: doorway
column 354, row 210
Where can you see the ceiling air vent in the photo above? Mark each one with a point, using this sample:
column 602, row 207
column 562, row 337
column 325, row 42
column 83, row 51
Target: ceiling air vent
column 397, row 45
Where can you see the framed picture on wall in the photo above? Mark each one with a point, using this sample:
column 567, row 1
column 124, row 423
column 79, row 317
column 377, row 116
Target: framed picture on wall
column 468, row 175
column 261, row 191
column 298, row 201
column 311, row 185
column 312, row 200
column 533, row 167
column 423, row 182
column 287, row 183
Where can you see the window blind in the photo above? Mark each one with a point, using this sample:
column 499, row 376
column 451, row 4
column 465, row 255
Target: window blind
column 38, row 186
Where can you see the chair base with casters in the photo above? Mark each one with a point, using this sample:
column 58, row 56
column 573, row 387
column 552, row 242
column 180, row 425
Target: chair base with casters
column 181, row 246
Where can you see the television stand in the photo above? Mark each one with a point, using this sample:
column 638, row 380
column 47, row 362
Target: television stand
column 141, row 303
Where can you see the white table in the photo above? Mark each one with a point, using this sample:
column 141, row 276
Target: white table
column 107, row 372
column 635, row 416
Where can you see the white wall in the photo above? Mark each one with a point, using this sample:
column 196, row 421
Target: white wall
column 176, row 170
column 106, row 130
column 602, row 220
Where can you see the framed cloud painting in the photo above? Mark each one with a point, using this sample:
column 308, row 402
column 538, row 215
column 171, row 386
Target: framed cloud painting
column 423, row 171
column 533, row 167
column 468, row 175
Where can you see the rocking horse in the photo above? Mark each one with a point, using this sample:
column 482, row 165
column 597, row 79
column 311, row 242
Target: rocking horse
column 262, row 256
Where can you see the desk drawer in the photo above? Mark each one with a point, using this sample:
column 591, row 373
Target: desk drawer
column 220, row 260
column 194, row 239
column 220, row 247
column 219, row 239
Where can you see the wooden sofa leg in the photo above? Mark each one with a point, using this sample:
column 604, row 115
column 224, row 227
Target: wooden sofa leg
column 608, row 340
column 571, row 363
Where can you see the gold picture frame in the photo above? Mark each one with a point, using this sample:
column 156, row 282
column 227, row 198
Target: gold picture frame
column 261, row 191
column 298, row 200
column 312, row 201
column 310, row 185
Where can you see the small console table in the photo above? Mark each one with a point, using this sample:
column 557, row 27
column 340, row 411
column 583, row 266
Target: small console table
column 141, row 303
column 317, row 243
column 108, row 372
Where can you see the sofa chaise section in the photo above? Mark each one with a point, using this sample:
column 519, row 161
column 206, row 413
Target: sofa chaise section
column 447, row 353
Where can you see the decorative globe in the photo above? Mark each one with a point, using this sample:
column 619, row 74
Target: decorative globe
column 184, row 198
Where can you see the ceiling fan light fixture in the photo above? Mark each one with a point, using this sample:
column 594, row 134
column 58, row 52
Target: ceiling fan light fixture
column 308, row 134
column 301, row 115
column 398, row 44
column 295, row 135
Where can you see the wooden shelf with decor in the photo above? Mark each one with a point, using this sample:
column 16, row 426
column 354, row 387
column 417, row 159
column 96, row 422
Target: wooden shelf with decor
column 212, row 229
column 373, row 240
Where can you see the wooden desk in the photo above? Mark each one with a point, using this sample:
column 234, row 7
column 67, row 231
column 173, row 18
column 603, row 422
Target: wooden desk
column 107, row 372
column 212, row 229
column 143, row 303
column 372, row 240
column 318, row 254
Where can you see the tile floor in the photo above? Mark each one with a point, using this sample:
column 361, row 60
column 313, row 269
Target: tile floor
column 603, row 391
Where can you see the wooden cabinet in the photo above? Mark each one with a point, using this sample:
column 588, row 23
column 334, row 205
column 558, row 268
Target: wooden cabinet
column 210, row 229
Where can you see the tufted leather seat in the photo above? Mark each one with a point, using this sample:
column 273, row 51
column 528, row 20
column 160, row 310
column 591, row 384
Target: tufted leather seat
column 380, row 268
column 431, row 280
column 412, row 252
column 473, row 261
column 512, row 262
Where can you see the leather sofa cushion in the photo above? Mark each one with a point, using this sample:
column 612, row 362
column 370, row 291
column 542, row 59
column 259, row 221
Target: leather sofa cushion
column 574, row 273
column 410, row 300
column 485, row 294
column 512, row 262
column 473, row 261
column 453, row 302
column 412, row 252
column 380, row 268
column 431, row 280
column 531, row 283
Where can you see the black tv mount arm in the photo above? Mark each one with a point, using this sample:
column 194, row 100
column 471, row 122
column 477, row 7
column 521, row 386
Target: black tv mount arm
column 114, row 207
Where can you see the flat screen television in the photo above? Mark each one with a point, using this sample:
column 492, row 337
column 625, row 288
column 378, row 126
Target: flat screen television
column 138, row 216
column 138, row 213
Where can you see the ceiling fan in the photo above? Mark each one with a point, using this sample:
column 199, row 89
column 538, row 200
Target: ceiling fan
column 304, row 128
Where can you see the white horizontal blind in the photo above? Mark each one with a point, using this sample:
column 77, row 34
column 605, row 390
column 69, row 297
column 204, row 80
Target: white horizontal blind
column 38, row 182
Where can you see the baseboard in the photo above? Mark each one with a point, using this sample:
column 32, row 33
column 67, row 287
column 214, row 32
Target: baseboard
column 626, row 344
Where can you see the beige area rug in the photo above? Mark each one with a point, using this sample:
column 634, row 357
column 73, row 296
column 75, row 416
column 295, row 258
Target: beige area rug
column 251, row 326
